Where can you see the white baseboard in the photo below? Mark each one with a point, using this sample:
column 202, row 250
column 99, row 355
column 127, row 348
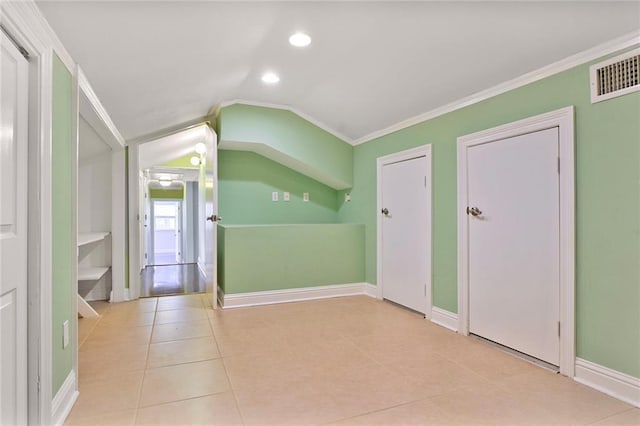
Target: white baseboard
column 65, row 398
column 370, row 290
column 294, row 295
column 444, row 318
column 612, row 382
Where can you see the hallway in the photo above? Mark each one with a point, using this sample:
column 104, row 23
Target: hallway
column 353, row 360
column 164, row 280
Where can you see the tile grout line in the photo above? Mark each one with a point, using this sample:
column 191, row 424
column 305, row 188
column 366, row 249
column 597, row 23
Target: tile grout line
column 146, row 361
column 224, row 366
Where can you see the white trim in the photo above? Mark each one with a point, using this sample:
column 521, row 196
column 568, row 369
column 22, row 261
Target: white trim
column 65, row 398
column 76, row 300
column 564, row 120
column 614, row 383
column 444, row 318
column 133, row 222
column 118, row 224
column 27, row 26
column 424, row 150
column 101, row 121
column 370, row 290
column 628, row 40
column 289, row 108
column 292, row 295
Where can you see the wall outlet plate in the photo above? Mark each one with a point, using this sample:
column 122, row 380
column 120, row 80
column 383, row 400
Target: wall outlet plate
column 286, row 196
column 274, row 196
column 305, row 196
column 347, row 198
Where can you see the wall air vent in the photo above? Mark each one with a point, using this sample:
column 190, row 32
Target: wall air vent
column 616, row 76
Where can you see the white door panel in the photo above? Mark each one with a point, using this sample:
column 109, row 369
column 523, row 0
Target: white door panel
column 13, row 234
column 405, row 239
column 514, row 243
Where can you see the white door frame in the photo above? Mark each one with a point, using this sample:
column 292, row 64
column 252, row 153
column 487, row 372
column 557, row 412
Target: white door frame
column 563, row 119
column 424, row 150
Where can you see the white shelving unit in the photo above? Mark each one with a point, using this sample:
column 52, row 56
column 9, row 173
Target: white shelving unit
column 90, row 273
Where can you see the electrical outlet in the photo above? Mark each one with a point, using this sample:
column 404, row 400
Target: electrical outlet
column 274, row 196
column 347, row 198
column 286, row 196
column 305, row 196
column 65, row 334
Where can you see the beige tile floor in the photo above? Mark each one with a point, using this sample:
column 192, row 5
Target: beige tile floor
column 348, row 361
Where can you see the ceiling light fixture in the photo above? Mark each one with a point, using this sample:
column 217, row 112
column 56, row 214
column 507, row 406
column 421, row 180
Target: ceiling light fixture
column 299, row 39
column 165, row 183
column 270, row 78
column 201, row 148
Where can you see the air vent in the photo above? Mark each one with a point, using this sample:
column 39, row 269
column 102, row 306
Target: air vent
column 616, row 76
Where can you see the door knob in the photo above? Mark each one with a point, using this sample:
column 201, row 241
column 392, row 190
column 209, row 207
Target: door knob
column 214, row 218
column 385, row 211
column 474, row 211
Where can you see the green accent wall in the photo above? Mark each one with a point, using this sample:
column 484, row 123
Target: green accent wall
column 607, row 204
column 246, row 181
column 62, row 213
column 260, row 258
column 166, row 194
column 288, row 139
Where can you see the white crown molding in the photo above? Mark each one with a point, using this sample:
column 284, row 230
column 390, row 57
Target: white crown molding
column 111, row 132
column 293, row 295
column 65, row 398
column 626, row 41
column 614, row 383
column 444, row 318
column 299, row 113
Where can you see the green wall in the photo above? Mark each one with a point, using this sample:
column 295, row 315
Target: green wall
column 288, row 139
column 607, row 204
column 246, row 181
column 62, row 213
column 259, row 258
column 166, row 194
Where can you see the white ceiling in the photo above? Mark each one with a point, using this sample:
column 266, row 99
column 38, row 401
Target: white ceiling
column 156, row 64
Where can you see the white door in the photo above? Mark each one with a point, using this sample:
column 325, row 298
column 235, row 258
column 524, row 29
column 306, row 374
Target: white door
column 211, row 212
column 513, row 185
column 405, row 233
column 13, row 234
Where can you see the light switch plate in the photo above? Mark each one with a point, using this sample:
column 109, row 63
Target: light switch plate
column 274, row 196
column 65, row 334
column 305, row 196
column 286, row 196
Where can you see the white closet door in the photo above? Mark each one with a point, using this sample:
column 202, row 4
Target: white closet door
column 13, row 234
column 514, row 243
column 405, row 238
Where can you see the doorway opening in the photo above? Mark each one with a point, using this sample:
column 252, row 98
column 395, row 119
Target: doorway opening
column 166, row 232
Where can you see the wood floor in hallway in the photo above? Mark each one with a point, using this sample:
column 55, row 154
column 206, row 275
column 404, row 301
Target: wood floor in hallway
column 350, row 361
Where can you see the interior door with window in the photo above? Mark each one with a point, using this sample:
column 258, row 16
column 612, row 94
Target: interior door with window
column 14, row 71
column 167, row 232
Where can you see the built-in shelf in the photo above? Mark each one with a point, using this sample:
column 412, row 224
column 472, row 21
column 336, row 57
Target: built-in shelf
column 91, row 274
column 85, row 238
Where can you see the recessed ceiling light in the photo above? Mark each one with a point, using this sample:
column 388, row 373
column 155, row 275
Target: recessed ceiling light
column 299, row 39
column 270, row 78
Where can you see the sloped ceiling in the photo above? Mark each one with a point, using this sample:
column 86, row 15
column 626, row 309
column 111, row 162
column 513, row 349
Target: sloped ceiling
column 156, row 64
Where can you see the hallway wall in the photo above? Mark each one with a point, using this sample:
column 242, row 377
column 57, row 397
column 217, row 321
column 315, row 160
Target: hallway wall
column 607, row 204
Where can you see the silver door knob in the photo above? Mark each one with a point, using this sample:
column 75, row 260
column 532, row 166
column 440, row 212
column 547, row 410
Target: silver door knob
column 474, row 211
column 385, row 211
column 214, row 218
